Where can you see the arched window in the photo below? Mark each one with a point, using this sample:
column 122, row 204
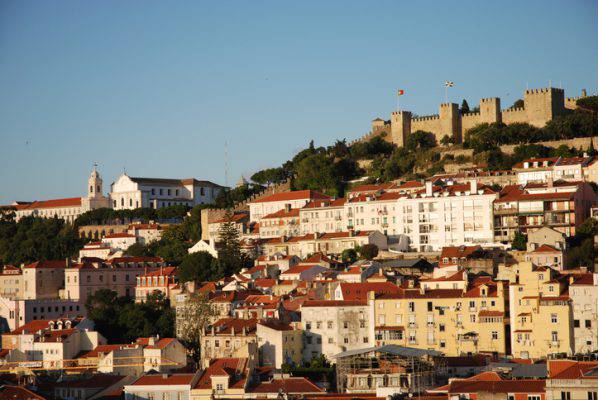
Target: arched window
column 122, row 201
column 91, row 189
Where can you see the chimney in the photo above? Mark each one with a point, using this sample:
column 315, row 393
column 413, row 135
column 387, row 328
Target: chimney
column 429, row 188
column 151, row 341
column 473, row 184
column 287, row 207
column 549, row 181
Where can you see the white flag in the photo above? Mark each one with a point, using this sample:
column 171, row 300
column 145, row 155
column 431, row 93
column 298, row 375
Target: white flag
column 449, row 84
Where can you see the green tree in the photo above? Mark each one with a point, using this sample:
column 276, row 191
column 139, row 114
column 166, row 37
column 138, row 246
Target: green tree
column 368, row 251
column 420, row 140
column 195, row 314
column 518, row 104
column 589, row 103
column 349, row 256
column 464, row 107
column 519, row 241
column 317, row 172
column 199, row 267
column 446, row 140
column 230, row 258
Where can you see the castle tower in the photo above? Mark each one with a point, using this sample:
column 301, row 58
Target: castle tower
column 450, row 122
column 542, row 105
column 490, row 110
column 94, row 184
column 400, row 127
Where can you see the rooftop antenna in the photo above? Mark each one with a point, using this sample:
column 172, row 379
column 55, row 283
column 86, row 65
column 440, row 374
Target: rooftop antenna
column 225, row 162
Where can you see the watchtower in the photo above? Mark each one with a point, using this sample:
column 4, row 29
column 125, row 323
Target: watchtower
column 400, row 127
column 450, row 122
column 490, row 110
column 542, row 105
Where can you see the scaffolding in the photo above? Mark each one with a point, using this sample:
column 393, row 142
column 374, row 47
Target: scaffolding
column 389, row 369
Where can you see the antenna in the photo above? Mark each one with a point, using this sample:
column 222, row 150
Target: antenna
column 225, row 162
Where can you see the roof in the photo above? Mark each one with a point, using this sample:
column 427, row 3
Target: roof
column 293, row 195
column 119, row 235
column 235, row 368
column 287, row 385
column 47, row 264
column 458, row 251
column 391, row 349
column 276, row 324
column 173, row 182
column 163, row 271
column 293, row 212
column 570, row 369
column 359, row 291
column 326, row 203
column 19, row 393
column 527, row 386
column 226, row 326
column 164, row 379
column 334, row 303
column 55, row 203
column 299, row 268
column 160, row 344
column 237, row 217
column 477, row 360
column 94, row 381
column 545, row 248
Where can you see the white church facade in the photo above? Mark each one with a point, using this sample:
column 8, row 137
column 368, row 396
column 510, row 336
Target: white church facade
column 130, row 192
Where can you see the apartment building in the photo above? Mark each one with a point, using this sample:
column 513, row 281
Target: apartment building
column 118, row 274
column 43, row 279
column 374, row 212
column 538, row 170
column 11, row 282
column 283, row 222
column 162, row 386
column 326, row 243
column 541, row 312
column 279, row 343
column 583, row 290
column 323, row 216
column 230, row 338
column 462, row 317
column 280, row 201
column 333, row 326
column 562, row 206
column 546, row 256
column 240, row 221
column 571, row 380
column 162, row 280
column 439, row 216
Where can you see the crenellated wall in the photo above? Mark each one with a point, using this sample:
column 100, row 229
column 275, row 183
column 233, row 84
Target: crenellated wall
column 540, row 106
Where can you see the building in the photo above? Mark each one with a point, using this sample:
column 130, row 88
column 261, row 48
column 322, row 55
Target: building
column 440, row 216
column 119, row 241
column 546, row 236
column 583, row 290
column 461, row 317
column 541, row 170
column 43, row 279
column 131, row 192
column 81, row 280
column 325, row 243
column 226, row 377
column 490, row 385
column 387, row 370
column 323, row 216
column 562, row 206
column 162, row 386
column 11, row 282
column 546, row 256
column 70, row 208
column 88, row 387
column 540, row 313
column 162, row 280
column 332, row 326
column 282, row 201
column 230, row 338
column 569, row 379
column 541, row 106
column 283, row 222
column 279, row 343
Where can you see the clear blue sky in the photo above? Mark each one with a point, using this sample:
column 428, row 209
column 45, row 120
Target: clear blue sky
column 157, row 87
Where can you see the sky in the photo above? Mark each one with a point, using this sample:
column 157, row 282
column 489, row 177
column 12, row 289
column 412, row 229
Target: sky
column 156, row 89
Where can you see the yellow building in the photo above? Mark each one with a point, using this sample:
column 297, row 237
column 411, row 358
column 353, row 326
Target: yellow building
column 453, row 321
column 541, row 313
column 279, row 343
column 230, row 338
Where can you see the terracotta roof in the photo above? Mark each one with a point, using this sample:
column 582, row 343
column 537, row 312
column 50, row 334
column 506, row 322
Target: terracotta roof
column 164, row 271
column 293, row 195
column 527, row 386
column 326, row 203
column 19, row 393
column 334, row 303
column 584, row 279
column 287, row 385
column 545, row 248
column 540, row 161
column 105, row 349
column 569, row 369
column 264, row 283
column 293, row 212
column 56, row 203
column 276, row 325
column 160, row 344
column 451, row 252
column 359, row 291
column 119, row 235
column 47, row 264
column 228, row 366
column 41, row 324
column 297, row 269
column 319, row 257
column 225, row 326
column 164, row 379
column 477, row 360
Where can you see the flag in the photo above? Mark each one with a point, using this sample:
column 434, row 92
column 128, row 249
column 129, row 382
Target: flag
column 449, row 84
column 401, row 92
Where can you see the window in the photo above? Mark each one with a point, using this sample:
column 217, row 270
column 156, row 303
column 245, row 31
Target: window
column 430, row 306
column 381, row 319
column 441, row 328
column 554, row 336
column 345, row 324
column 365, row 339
column 330, row 340
column 329, row 324
column 319, row 324
column 346, row 340
column 565, row 395
column 588, row 323
column 219, row 386
column 494, row 335
column 553, row 318
column 411, row 306
column 531, row 397
column 307, row 325
column 592, row 395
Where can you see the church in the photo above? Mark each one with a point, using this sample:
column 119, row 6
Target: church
column 67, row 209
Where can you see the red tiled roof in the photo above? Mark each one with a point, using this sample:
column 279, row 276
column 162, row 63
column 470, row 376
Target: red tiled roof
column 326, row 203
column 545, row 248
column 19, row 393
column 225, row 326
column 294, row 195
column 569, row 369
column 47, row 264
column 276, row 325
column 160, row 344
column 264, row 283
column 359, row 291
column 164, row 379
column 334, row 303
column 228, row 366
column 319, row 257
column 105, row 349
column 451, row 252
column 55, row 203
column 294, row 212
column 164, row 271
column 119, row 235
column 527, row 386
column 297, row 269
column 287, row 385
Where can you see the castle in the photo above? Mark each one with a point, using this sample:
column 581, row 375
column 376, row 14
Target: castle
column 540, row 106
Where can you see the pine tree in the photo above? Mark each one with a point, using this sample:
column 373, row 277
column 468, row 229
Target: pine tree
column 230, row 258
column 464, row 107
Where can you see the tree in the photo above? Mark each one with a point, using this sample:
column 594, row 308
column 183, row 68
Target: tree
column 518, row 104
column 317, row 172
column 446, row 140
column 589, row 103
column 230, row 258
column 464, row 107
column 420, row 140
column 193, row 317
column 349, row 256
column 368, row 251
column 198, row 267
column 519, row 241
column 588, row 229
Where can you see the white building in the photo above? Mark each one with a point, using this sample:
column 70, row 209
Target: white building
column 323, row 216
column 119, row 241
column 583, row 291
column 129, row 192
column 70, row 208
column 374, row 212
column 281, row 201
column 333, row 326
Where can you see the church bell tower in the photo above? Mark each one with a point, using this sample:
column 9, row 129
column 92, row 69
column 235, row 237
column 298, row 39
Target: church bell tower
column 94, row 189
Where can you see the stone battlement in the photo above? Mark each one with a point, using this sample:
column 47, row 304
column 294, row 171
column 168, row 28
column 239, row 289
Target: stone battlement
column 540, row 106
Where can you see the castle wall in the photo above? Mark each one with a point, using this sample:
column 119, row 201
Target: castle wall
column 470, row 120
column 430, row 124
column 514, row 115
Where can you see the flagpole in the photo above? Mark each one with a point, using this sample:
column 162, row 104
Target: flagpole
column 445, row 93
column 398, row 102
